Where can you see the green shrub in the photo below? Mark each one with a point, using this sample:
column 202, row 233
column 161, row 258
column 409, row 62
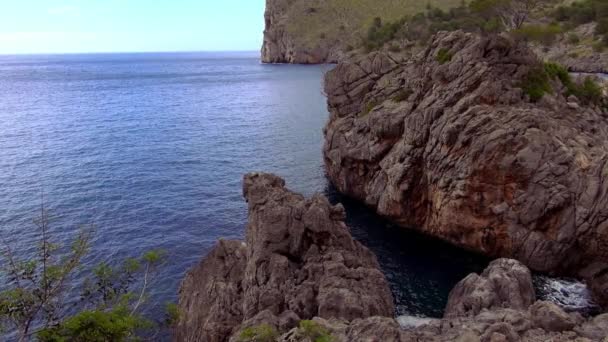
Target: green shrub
column 313, row 331
column 369, row 107
column 379, row 33
column 443, row 56
column 544, row 34
column 403, row 95
column 96, row 326
column 536, row 84
column 259, row 333
column 589, row 91
column 573, row 38
column 557, row 71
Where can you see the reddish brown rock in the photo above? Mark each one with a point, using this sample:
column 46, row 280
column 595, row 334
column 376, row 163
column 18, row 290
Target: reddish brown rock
column 299, row 261
column 454, row 148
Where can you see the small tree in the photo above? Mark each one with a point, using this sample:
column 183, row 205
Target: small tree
column 32, row 302
column 512, row 13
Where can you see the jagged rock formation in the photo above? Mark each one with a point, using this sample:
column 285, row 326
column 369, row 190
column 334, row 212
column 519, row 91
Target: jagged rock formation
column 449, row 143
column 509, row 319
column 298, row 262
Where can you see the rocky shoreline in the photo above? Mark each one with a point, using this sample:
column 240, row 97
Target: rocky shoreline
column 457, row 150
column 299, row 263
column 456, row 142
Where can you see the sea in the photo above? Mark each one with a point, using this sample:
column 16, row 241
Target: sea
column 148, row 150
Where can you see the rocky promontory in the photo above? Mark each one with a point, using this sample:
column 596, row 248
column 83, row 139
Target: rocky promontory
column 300, row 276
column 458, row 144
column 298, row 262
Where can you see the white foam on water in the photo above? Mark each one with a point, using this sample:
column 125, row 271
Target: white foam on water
column 570, row 294
column 410, row 322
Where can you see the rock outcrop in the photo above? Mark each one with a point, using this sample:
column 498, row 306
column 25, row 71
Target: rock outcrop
column 505, row 283
column 282, row 45
column 510, row 320
column 299, row 261
column 448, row 143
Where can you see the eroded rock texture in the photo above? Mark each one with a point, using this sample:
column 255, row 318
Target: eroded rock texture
column 448, row 143
column 282, row 46
column 497, row 317
column 298, row 262
column 505, row 283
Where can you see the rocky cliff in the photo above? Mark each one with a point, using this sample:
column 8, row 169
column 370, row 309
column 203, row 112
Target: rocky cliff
column 323, row 31
column 449, row 143
column 299, row 262
column 291, row 37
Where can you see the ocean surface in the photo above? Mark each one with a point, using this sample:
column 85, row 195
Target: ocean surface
column 151, row 150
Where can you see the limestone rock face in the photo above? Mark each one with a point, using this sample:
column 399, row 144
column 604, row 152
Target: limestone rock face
column 448, row 143
column 511, row 320
column 505, row 283
column 299, row 261
column 282, row 46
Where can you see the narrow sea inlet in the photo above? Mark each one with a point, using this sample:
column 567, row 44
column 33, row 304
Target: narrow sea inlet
column 151, row 149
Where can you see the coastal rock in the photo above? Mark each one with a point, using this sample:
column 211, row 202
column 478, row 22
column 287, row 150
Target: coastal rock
column 299, row 261
column 596, row 276
column 551, row 317
column 505, row 283
column 211, row 293
column 448, row 143
column 281, row 45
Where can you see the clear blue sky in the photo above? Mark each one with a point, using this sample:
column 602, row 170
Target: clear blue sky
column 67, row 26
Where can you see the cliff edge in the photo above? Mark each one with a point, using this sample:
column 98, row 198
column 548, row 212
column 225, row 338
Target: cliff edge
column 475, row 141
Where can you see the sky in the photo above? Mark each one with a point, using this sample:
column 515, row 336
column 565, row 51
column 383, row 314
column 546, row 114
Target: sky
column 85, row 26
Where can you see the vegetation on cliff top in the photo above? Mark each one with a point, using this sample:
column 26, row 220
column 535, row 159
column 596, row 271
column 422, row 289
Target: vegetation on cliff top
column 348, row 20
column 538, row 21
column 538, row 83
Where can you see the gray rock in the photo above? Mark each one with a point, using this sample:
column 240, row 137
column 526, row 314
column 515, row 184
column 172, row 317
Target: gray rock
column 299, row 262
column 551, row 317
column 505, row 283
column 467, row 157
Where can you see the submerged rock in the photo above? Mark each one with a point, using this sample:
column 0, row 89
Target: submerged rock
column 448, row 143
column 299, row 261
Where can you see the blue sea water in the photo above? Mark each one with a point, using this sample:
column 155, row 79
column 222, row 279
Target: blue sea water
column 151, row 149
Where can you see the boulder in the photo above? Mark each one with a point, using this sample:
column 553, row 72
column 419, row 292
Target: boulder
column 505, row 283
column 551, row 317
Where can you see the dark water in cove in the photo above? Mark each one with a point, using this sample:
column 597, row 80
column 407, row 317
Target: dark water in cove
column 151, row 148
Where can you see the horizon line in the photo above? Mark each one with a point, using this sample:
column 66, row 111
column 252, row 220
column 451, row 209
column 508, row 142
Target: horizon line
column 121, row 52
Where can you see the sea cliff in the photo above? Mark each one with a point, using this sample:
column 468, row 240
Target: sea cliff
column 452, row 143
column 300, row 276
